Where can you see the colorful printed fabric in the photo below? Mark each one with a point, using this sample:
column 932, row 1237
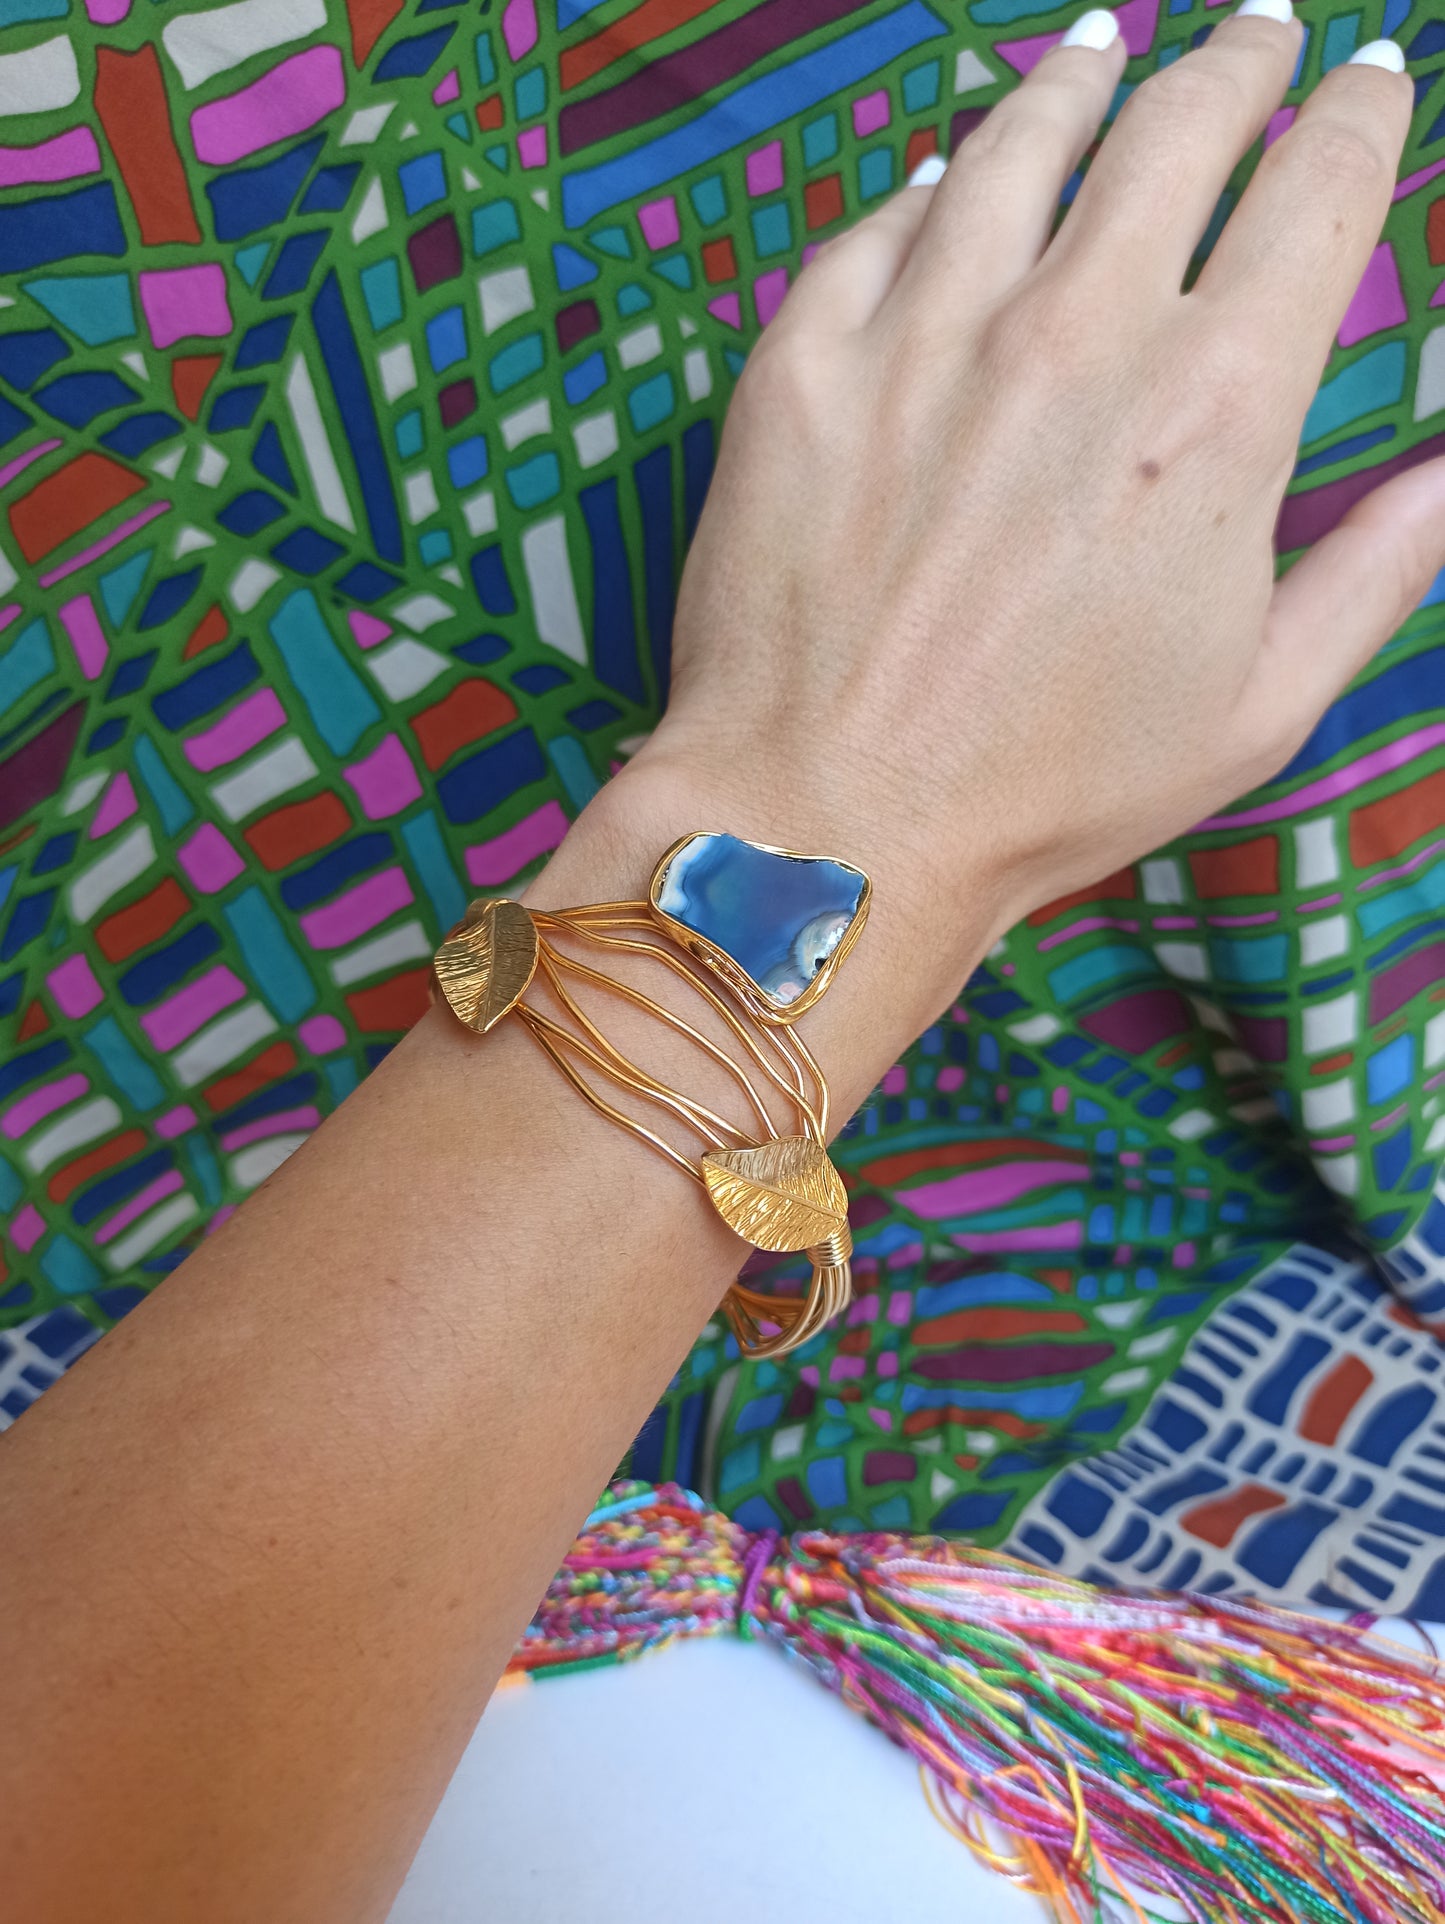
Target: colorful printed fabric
column 361, row 365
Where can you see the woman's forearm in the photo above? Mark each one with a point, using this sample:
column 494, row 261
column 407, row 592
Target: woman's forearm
column 282, row 1528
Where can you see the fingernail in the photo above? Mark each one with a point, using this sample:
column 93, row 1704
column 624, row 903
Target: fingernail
column 1279, row 10
column 1380, row 53
column 1097, row 29
column 929, row 171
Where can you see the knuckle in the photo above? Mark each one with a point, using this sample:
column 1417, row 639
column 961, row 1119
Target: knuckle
column 1233, row 380
column 1184, row 97
column 1336, row 154
column 784, row 385
column 1005, row 139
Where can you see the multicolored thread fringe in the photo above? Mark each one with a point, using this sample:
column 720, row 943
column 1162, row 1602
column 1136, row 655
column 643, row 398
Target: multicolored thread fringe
column 1244, row 1762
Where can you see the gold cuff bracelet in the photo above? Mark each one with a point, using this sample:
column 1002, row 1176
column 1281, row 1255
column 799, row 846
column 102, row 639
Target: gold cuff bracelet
column 757, row 933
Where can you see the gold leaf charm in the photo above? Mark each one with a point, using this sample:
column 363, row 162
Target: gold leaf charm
column 783, row 1195
column 485, row 964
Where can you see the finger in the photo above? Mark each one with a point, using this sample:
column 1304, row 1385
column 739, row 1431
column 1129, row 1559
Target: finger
column 851, row 276
column 1339, row 604
column 1297, row 245
column 1156, row 181
column 994, row 210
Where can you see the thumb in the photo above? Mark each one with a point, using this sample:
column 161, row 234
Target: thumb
column 1343, row 600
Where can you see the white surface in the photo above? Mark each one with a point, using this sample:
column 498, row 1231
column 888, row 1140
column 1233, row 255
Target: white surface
column 712, row 1783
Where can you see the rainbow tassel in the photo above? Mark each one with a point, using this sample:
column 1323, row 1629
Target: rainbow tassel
column 1252, row 1765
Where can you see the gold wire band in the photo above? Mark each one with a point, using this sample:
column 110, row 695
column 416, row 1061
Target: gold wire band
column 779, row 1191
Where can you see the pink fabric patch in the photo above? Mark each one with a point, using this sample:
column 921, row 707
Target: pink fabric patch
column 175, row 1122
column 209, row 859
column 532, row 147
column 367, row 630
column 154, row 1192
column 385, row 781
column 1378, row 303
column 1279, row 123
column 74, row 986
column 765, row 169
column 241, row 728
column 182, row 301
column 40, row 1103
column 728, row 308
column 446, row 89
column 323, row 1035
column 1412, row 183
column 359, row 909
column 191, row 1007
column 896, row 1080
column 519, row 27
column 66, row 157
column 117, row 805
column 871, row 112
column 768, row 292
column 285, row 1123
column 1437, row 299
column 1137, row 22
column 27, row 1228
column 80, row 621
column 658, row 220
column 107, row 13
column 290, row 98
column 950, row 1077
column 489, row 864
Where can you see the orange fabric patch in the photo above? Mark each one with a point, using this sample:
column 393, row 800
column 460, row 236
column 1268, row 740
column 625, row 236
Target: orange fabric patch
column 1249, row 868
column 286, row 834
column 719, row 262
column 1114, row 888
column 1435, row 232
column 69, row 500
column 922, row 142
column 823, row 201
column 1334, row 1398
column 130, row 97
column 369, row 21
column 1381, row 829
column 105, row 1155
column 996, row 1325
column 269, row 1066
column 141, row 922
column 191, row 375
column 34, row 1022
column 471, row 710
column 646, row 23
column 211, row 628
column 391, row 1006
column 1216, row 1521
column 490, row 113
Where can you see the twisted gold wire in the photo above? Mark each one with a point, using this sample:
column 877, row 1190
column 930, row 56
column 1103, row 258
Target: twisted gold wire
column 778, row 1039
column 783, row 1058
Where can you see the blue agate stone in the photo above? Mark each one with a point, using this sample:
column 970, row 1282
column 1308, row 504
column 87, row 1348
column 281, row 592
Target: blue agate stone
column 779, row 918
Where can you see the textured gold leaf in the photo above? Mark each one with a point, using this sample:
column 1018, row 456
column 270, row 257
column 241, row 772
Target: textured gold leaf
column 485, row 964
column 783, row 1195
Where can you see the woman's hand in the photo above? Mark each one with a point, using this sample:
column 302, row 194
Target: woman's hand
column 983, row 596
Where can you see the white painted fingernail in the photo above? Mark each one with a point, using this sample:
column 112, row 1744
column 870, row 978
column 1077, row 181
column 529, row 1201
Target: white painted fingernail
column 1380, row 53
column 1097, row 29
column 1279, row 10
column 929, row 171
